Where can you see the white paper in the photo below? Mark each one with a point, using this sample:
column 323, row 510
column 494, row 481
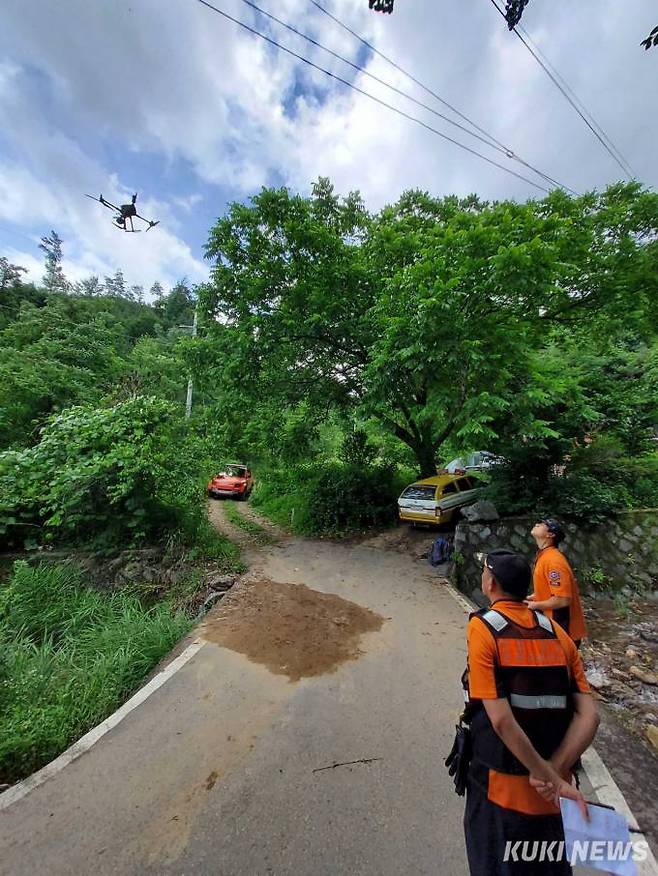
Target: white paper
column 602, row 843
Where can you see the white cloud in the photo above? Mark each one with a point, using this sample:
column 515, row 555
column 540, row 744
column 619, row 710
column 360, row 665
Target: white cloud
column 188, row 202
column 177, row 80
column 92, row 245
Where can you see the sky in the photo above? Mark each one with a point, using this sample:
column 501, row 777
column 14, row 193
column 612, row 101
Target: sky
column 170, row 100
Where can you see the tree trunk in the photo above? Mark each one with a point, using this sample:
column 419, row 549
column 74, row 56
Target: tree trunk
column 419, row 442
column 426, row 458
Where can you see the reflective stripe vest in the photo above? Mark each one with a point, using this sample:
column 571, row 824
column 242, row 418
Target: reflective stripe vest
column 532, row 672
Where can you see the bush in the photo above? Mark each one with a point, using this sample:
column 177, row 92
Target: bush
column 115, row 475
column 330, row 498
column 597, row 482
column 584, row 497
column 69, row 657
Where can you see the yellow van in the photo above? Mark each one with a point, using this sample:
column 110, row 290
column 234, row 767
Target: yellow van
column 435, row 500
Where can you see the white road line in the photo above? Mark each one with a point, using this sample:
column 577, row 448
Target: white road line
column 465, row 603
column 16, row 792
column 609, row 793
column 607, row 790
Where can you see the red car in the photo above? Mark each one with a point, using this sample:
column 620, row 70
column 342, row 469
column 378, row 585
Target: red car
column 235, row 481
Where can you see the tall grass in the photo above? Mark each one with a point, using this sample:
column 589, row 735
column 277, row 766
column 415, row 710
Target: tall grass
column 68, row 657
column 212, row 545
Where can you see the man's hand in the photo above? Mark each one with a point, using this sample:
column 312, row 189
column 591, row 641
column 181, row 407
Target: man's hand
column 545, row 789
column 552, row 791
column 532, row 604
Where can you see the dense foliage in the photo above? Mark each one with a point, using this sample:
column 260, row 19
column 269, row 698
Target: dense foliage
column 93, row 445
column 125, row 473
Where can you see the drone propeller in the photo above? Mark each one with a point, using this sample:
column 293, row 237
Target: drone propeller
column 149, row 222
column 101, row 200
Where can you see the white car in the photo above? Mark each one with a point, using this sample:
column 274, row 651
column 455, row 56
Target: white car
column 480, row 460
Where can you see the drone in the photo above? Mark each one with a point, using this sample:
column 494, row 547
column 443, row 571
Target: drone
column 125, row 213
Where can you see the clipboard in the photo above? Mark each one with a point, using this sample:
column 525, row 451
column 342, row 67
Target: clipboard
column 604, row 842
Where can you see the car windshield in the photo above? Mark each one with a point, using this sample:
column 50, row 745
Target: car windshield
column 235, row 471
column 419, row 491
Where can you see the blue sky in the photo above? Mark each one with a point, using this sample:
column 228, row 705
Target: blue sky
column 174, row 102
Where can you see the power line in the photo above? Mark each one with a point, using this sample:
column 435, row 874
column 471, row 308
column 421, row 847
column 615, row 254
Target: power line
column 372, row 96
column 558, row 85
column 566, row 85
column 488, row 140
column 501, row 146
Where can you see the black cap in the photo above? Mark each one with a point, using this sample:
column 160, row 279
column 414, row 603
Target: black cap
column 512, row 571
column 554, row 528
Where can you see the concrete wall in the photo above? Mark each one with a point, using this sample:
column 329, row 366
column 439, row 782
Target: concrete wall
column 621, row 553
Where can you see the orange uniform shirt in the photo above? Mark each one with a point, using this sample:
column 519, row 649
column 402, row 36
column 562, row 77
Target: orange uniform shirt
column 553, row 576
column 482, row 652
column 514, row 792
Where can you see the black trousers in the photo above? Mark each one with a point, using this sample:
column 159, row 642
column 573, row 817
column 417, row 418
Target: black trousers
column 489, row 828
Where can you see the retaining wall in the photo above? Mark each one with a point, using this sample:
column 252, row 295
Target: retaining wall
column 616, row 554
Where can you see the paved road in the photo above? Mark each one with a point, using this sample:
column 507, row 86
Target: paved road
column 242, row 762
column 214, row 772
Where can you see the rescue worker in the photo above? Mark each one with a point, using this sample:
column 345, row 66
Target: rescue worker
column 555, row 587
column 531, row 716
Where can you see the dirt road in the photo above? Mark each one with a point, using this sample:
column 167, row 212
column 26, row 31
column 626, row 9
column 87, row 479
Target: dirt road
column 304, row 736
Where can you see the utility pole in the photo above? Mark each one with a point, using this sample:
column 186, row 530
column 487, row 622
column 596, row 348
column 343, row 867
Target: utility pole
column 190, row 384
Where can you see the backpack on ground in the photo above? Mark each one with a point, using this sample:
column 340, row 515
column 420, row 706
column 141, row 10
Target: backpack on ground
column 441, row 551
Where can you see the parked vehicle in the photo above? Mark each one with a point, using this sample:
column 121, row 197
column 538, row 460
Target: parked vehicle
column 436, row 500
column 479, row 460
column 235, row 481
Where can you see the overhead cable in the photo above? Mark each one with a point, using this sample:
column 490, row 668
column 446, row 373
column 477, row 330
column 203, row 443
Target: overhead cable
column 488, row 140
column 602, row 139
column 577, row 100
column 378, row 100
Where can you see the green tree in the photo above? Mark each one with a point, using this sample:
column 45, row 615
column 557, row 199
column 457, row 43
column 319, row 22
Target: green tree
column 90, row 286
column 54, row 279
column 10, row 275
column 49, row 360
column 156, row 292
column 426, row 317
column 14, row 292
column 116, row 285
column 154, row 366
column 177, row 307
column 113, row 474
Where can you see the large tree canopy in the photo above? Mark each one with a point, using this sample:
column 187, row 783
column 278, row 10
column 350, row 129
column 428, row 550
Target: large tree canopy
column 427, row 315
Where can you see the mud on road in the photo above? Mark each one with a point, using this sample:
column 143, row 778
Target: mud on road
column 289, row 628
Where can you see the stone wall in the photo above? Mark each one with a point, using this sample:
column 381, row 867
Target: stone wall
column 618, row 554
